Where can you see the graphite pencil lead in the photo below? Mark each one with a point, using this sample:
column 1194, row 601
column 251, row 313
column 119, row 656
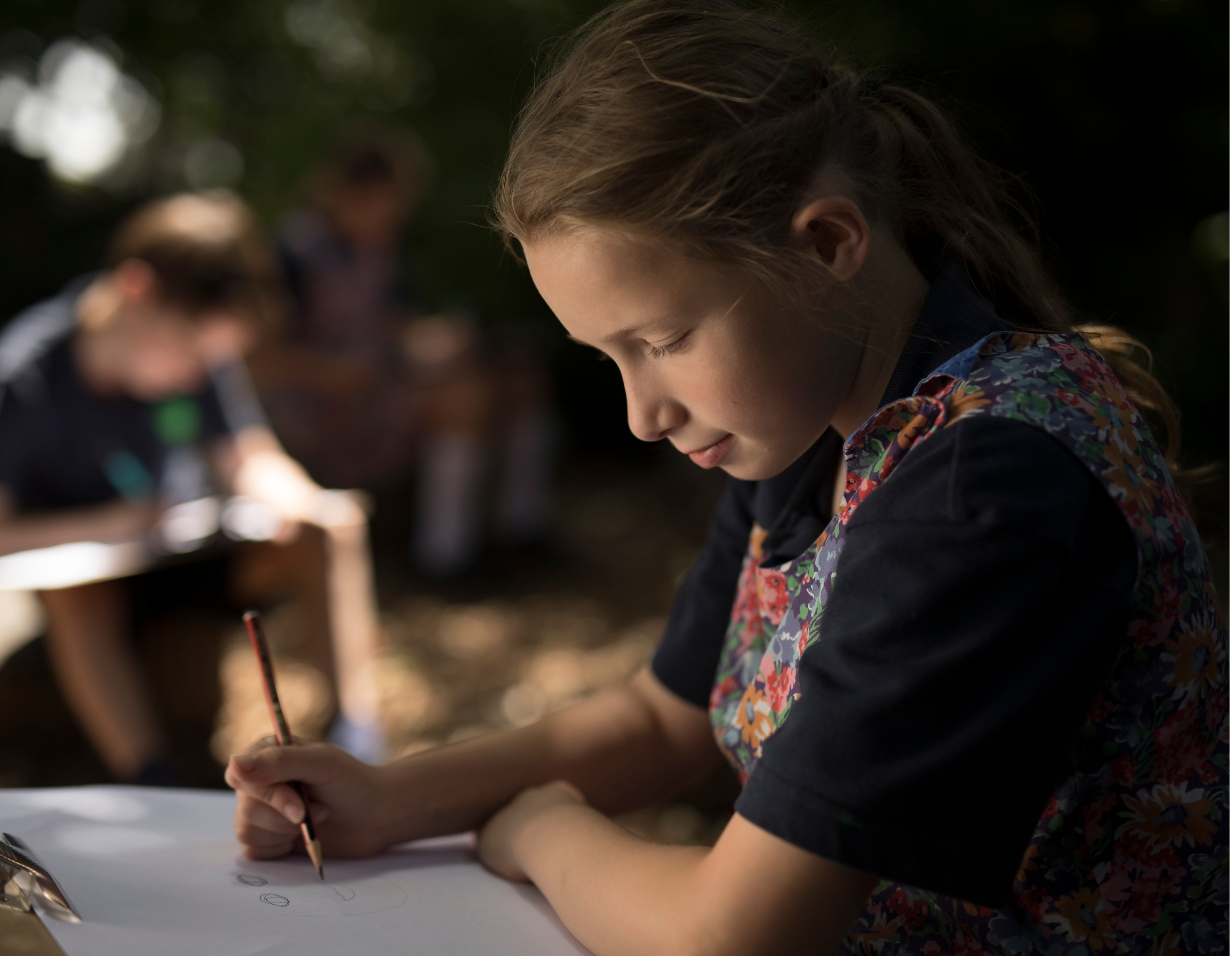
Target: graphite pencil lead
column 317, row 856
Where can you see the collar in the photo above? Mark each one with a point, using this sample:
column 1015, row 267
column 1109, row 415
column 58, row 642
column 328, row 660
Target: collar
column 953, row 318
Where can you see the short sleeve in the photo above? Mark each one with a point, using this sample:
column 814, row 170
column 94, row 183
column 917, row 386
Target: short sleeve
column 979, row 603
column 687, row 657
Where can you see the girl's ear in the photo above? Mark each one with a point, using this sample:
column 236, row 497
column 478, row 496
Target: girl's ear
column 835, row 230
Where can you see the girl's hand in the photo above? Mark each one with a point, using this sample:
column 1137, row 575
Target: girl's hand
column 499, row 838
column 346, row 797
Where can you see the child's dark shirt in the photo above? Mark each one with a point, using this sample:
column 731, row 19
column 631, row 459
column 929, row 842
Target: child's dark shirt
column 63, row 446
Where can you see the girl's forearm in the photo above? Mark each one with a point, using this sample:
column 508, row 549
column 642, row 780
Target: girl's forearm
column 623, row 896
column 616, row 747
column 618, row 894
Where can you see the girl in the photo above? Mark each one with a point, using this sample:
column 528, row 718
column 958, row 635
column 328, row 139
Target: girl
column 953, row 624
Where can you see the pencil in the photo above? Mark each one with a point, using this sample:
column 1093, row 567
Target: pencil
column 257, row 635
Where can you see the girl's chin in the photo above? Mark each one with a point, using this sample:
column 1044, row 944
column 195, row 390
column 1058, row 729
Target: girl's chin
column 744, row 469
column 755, row 464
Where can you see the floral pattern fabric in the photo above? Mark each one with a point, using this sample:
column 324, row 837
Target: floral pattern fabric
column 1130, row 854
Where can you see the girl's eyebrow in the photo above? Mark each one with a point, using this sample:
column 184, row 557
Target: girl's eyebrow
column 581, row 342
column 613, row 337
column 666, row 319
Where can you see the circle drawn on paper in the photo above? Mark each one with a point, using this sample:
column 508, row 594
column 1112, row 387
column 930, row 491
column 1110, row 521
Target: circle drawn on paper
column 249, row 880
column 310, row 897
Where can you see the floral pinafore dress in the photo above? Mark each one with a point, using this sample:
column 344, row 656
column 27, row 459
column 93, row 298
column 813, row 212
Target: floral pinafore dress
column 1130, row 854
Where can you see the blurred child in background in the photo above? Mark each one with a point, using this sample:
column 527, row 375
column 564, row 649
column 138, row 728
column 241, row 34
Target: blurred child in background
column 365, row 388
column 126, row 394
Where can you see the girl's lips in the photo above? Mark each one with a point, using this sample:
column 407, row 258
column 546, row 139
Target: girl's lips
column 712, row 456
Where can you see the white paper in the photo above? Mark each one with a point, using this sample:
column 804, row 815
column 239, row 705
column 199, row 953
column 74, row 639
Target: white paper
column 158, row 872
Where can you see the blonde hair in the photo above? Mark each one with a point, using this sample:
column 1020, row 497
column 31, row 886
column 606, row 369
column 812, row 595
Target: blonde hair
column 704, row 123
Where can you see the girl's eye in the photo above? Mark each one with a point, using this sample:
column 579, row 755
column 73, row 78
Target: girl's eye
column 659, row 351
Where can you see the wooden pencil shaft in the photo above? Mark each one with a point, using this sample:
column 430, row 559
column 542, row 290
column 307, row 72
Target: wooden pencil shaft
column 309, row 829
column 256, row 634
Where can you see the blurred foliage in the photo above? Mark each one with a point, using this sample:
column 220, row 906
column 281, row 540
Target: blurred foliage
column 1114, row 113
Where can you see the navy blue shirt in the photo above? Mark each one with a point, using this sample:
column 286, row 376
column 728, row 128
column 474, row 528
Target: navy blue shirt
column 62, row 445
column 981, row 599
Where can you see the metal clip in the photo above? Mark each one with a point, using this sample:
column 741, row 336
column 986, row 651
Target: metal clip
column 30, row 881
column 15, row 887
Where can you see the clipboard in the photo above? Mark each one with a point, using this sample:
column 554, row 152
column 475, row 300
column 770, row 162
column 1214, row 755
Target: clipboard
column 29, row 893
column 154, row 871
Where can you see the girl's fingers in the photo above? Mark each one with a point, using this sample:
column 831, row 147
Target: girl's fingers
column 257, row 823
column 269, row 809
column 571, row 789
column 251, row 778
column 266, row 766
column 281, row 797
column 264, row 832
column 263, row 774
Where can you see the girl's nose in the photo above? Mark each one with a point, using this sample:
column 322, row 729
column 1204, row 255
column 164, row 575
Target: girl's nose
column 652, row 414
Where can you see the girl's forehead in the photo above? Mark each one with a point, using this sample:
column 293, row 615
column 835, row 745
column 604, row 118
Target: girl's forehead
column 595, row 249
column 614, row 259
column 608, row 284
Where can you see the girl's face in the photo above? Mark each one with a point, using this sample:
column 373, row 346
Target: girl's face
column 735, row 375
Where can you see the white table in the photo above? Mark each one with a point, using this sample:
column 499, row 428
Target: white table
column 157, row 872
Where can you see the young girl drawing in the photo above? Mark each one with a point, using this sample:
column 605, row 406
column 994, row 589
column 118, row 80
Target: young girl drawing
column 953, row 624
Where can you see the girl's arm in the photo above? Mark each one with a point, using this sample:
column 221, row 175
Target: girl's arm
column 621, row 748
column 621, row 896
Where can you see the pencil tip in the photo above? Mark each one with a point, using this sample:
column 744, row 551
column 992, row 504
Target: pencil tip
column 316, row 855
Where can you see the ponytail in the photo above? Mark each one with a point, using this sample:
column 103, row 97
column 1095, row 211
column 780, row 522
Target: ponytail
column 706, row 123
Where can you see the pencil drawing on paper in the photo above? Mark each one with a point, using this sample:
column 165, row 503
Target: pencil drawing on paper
column 303, row 896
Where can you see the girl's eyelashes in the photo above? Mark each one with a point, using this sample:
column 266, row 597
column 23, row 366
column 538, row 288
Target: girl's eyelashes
column 660, row 351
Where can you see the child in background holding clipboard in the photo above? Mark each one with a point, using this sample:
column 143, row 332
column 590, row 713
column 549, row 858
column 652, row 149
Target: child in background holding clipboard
column 126, row 395
column 953, row 624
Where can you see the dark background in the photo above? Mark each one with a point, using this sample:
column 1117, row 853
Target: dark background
column 1113, row 114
